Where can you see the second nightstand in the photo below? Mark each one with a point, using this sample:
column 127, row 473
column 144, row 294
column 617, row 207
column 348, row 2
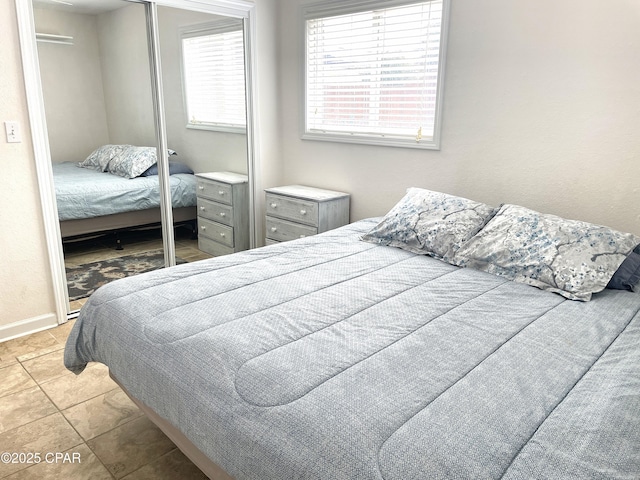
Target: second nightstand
column 223, row 212
column 298, row 211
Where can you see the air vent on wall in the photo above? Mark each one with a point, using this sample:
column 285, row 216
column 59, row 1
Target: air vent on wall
column 51, row 38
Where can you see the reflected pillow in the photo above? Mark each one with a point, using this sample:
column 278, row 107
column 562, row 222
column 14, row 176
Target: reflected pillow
column 132, row 161
column 430, row 223
column 99, row 159
column 174, row 168
column 569, row 257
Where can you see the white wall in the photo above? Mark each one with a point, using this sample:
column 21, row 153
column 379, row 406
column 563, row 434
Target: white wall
column 540, row 109
column 122, row 35
column 26, row 290
column 72, row 85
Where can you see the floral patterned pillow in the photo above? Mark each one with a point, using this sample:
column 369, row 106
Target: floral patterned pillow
column 132, row 161
column 569, row 257
column 430, row 223
column 101, row 156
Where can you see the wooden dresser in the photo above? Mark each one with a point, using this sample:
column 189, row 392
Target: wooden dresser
column 298, row 211
column 223, row 212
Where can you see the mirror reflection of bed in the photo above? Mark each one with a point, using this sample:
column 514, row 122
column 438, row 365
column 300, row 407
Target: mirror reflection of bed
column 97, row 89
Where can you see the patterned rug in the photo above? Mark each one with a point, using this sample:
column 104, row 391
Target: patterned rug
column 83, row 280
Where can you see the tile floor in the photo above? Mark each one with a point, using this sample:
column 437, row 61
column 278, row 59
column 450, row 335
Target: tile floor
column 44, row 408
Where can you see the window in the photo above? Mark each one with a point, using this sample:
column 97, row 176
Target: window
column 213, row 70
column 374, row 72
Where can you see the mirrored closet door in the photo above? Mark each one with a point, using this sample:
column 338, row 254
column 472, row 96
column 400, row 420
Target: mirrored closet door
column 203, row 80
column 97, row 90
column 146, row 107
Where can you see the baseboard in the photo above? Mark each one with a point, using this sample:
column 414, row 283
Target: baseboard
column 27, row 326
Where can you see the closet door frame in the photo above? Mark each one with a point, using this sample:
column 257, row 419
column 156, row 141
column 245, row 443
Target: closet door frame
column 40, row 140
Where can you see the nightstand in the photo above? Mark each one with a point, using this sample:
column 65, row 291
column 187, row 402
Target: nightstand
column 223, row 212
column 298, row 211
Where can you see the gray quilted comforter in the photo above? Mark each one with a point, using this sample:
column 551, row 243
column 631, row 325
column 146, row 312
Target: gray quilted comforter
column 332, row 358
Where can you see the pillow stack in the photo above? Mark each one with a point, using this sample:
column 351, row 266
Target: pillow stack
column 127, row 161
column 572, row 258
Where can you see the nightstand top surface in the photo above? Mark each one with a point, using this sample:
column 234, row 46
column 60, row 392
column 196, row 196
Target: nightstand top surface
column 225, row 177
column 308, row 193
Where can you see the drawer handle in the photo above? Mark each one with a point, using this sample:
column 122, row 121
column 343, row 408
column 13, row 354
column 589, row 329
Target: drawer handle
column 222, row 214
column 222, row 234
column 202, row 209
column 303, row 212
column 221, row 193
column 201, row 187
column 203, row 228
column 274, row 229
column 274, row 205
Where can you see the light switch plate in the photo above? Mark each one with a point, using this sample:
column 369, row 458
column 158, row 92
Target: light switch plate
column 12, row 128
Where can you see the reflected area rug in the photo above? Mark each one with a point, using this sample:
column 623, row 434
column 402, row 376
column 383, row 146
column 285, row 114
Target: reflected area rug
column 83, row 280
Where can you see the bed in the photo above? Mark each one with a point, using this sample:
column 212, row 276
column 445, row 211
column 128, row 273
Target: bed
column 334, row 357
column 92, row 201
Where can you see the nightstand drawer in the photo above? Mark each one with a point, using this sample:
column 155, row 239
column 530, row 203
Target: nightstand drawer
column 295, row 209
column 213, row 248
column 215, row 231
column 215, row 211
column 220, row 192
column 283, row 230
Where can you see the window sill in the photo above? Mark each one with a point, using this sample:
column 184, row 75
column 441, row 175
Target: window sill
column 217, row 128
column 424, row 144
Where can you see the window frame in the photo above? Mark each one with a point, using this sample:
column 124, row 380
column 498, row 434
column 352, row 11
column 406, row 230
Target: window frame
column 328, row 8
column 204, row 29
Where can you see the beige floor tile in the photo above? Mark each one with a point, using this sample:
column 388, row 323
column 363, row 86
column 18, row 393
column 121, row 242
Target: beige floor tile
column 71, row 389
column 77, row 304
column 25, row 345
column 24, row 407
column 90, row 257
column 79, row 464
column 62, row 332
column 46, row 367
column 168, row 467
column 14, row 379
column 143, row 247
column 28, row 356
column 130, row 446
column 193, row 255
column 101, row 414
column 77, row 254
column 184, row 251
column 49, row 434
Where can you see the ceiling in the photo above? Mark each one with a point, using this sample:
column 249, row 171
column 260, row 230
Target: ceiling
column 82, row 6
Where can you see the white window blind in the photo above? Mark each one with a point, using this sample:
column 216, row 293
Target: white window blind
column 213, row 68
column 375, row 73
